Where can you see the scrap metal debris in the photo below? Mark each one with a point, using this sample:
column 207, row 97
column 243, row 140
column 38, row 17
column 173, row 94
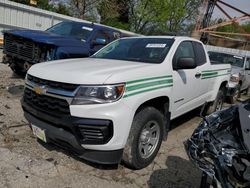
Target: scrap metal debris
column 220, row 146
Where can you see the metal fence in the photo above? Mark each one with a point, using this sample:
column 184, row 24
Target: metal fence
column 15, row 15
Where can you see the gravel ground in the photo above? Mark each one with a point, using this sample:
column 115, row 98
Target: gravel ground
column 26, row 163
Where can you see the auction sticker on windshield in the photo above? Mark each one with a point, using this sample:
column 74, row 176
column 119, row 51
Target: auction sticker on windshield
column 87, row 28
column 155, row 45
column 39, row 133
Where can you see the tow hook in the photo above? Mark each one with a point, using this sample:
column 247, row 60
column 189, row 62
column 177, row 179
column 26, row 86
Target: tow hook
column 26, row 66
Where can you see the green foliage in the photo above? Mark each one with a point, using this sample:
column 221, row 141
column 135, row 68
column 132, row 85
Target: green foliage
column 116, row 23
column 44, row 4
column 162, row 16
column 246, row 27
column 234, row 28
column 140, row 16
column 62, row 9
column 114, row 13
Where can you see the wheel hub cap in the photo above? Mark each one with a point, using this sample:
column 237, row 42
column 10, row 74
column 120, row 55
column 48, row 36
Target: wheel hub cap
column 149, row 139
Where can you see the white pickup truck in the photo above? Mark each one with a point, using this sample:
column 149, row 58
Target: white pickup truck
column 240, row 73
column 117, row 104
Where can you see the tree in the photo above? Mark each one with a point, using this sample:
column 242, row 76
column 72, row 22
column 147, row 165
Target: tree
column 114, row 13
column 162, row 16
column 46, row 5
column 85, row 9
column 62, row 9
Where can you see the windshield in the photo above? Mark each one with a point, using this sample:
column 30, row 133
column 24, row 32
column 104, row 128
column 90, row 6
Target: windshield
column 146, row 50
column 79, row 31
column 221, row 58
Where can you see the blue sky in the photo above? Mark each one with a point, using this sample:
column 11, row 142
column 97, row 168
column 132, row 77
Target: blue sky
column 240, row 4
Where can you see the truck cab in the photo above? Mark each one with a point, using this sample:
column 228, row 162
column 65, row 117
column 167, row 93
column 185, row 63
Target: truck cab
column 68, row 39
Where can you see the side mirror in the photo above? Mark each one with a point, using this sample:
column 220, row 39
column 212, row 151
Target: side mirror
column 185, row 63
column 100, row 41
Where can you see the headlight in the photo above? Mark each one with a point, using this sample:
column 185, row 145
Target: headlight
column 98, row 94
column 235, row 78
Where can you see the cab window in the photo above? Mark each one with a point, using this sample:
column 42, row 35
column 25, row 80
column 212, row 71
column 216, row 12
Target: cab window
column 184, row 50
column 104, row 35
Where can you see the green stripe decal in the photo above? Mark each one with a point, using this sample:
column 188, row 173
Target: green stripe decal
column 149, row 84
column 212, row 76
column 139, row 86
column 209, row 74
column 146, row 79
column 147, row 90
column 215, row 70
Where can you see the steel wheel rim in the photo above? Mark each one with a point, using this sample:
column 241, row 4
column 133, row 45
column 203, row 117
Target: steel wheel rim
column 219, row 105
column 149, row 139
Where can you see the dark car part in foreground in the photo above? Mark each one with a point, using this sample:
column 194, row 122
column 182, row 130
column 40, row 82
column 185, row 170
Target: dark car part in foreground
column 220, row 147
column 68, row 39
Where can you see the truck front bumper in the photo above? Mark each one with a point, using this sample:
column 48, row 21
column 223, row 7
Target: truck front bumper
column 70, row 133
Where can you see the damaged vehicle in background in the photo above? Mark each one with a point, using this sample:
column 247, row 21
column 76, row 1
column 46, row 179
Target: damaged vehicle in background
column 220, row 147
column 68, row 39
column 240, row 74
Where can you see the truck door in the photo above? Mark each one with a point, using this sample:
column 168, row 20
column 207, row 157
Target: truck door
column 188, row 93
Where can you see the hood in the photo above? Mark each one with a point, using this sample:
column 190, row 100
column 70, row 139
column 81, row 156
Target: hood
column 46, row 37
column 89, row 70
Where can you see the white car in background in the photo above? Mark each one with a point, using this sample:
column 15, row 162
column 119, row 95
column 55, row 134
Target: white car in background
column 240, row 74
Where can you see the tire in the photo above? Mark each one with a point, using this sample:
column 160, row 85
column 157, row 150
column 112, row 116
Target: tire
column 246, row 91
column 218, row 102
column 233, row 99
column 145, row 138
column 17, row 70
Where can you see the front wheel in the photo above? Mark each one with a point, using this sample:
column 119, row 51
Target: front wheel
column 17, row 70
column 144, row 139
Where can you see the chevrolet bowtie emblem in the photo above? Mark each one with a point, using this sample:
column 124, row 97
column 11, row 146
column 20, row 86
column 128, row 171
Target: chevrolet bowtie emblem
column 40, row 90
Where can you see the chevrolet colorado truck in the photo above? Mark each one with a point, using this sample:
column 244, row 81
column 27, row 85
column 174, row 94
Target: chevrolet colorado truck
column 68, row 39
column 240, row 74
column 117, row 104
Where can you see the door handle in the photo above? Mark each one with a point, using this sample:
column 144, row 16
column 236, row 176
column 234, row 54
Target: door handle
column 197, row 75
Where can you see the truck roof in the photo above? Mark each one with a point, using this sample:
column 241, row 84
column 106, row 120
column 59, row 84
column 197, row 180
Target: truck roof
column 168, row 37
column 105, row 26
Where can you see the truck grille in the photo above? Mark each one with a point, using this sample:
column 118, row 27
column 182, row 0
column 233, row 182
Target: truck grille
column 46, row 104
column 19, row 46
column 52, row 84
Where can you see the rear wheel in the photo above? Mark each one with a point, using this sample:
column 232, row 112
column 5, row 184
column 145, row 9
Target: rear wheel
column 218, row 102
column 246, row 91
column 144, row 139
column 233, row 99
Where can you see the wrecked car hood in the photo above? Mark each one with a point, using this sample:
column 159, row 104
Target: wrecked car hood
column 46, row 37
column 220, row 146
